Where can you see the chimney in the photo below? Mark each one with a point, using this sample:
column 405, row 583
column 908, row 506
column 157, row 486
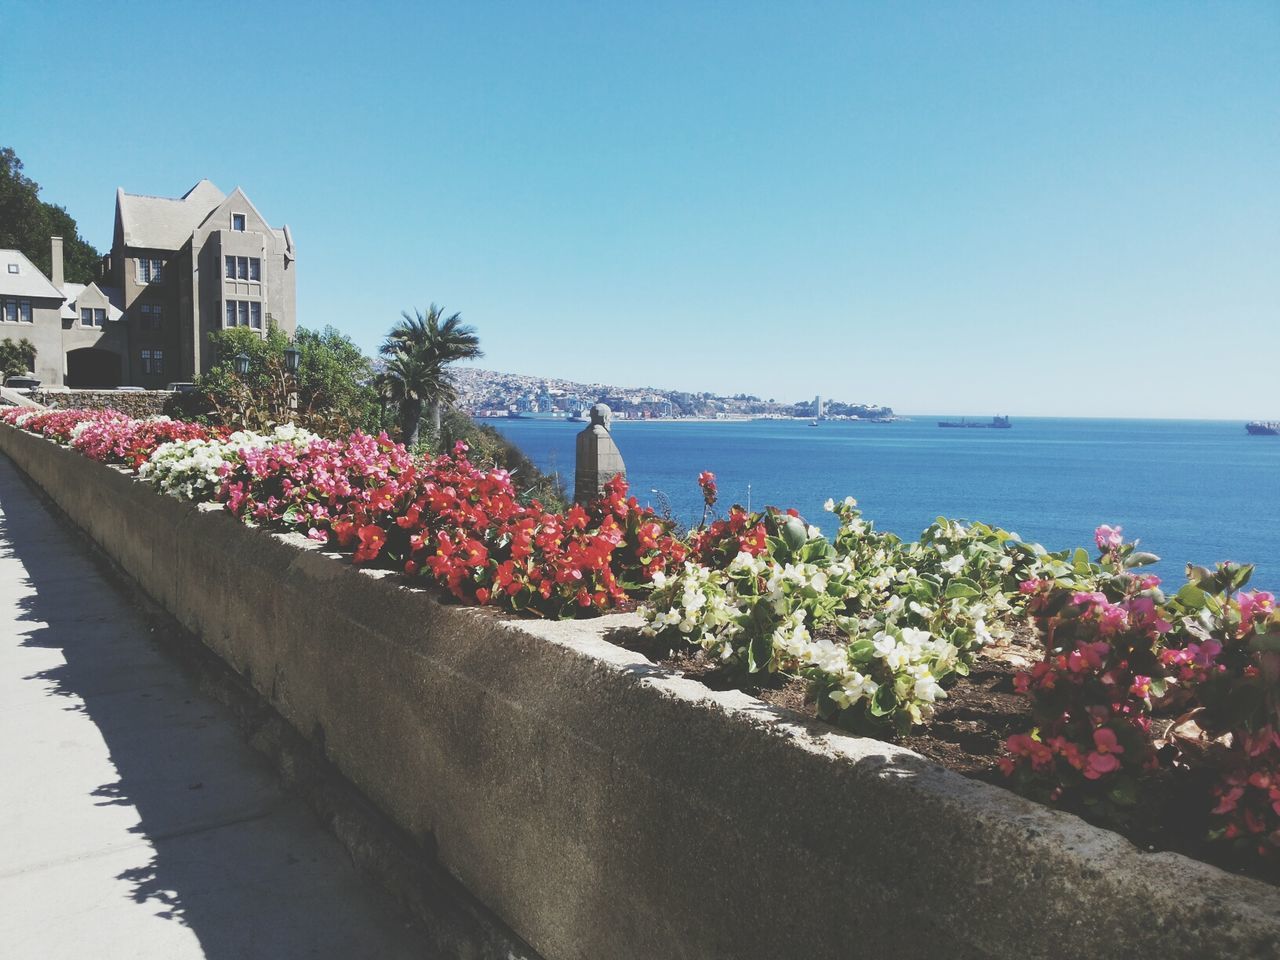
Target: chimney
column 55, row 261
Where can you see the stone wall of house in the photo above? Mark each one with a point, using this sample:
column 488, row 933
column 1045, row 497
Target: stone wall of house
column 135, row 403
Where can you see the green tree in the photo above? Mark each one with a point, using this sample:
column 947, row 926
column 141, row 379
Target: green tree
column 27, row 223
column 333, row 392
column 418, row 352
column 17, row 358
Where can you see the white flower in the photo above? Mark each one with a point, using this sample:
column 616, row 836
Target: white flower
column 953, row 564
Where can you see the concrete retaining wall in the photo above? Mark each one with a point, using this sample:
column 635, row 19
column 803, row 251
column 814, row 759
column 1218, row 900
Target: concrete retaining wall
column 604, row 808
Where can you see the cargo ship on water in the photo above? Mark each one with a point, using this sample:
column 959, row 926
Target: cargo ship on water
column 997, row 423
column 1263, row 428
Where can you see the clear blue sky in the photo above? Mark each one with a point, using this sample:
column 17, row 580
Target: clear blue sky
column 1059, row 208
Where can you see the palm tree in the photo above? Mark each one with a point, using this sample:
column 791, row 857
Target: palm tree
column 418, row 351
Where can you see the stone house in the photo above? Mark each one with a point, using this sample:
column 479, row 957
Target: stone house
column 178, row 269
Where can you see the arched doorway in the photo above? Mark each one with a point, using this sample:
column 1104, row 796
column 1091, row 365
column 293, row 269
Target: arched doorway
column 93, row 369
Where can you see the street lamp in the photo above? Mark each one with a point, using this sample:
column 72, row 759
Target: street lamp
column 241, row 361
column 292, row 358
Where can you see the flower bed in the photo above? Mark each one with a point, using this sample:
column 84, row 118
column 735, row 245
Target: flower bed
column 1132, row 685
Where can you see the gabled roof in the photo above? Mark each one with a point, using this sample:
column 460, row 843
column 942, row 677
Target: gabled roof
column 162, row 223
column 71, row 310
column 27, row 282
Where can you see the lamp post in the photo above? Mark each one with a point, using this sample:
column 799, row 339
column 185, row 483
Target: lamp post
column 292, row 361
column 241, row 361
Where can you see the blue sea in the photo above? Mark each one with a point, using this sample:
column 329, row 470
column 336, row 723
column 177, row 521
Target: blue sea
column 1191, row 490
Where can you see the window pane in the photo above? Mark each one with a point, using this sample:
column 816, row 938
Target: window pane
column 243, row 309
column 237, row 221
column 230, row 271
column 242, row 268
column 157, row 266
column 86, row 317
column 231, row 313
column 255, row 315
column 158, row 366
column 11, row 311
column 255, row 268
column 26, row 311
column 100, row 318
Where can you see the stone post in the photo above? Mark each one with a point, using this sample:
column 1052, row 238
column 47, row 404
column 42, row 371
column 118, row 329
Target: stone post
column 598, row 459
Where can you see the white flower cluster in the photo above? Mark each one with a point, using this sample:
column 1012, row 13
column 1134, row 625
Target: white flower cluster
column 875, row 624
column 193, row 469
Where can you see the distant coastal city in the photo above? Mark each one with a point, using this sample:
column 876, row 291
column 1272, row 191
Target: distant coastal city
column 488, row 393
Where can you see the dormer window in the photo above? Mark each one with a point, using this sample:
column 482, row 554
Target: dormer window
column 237, row 222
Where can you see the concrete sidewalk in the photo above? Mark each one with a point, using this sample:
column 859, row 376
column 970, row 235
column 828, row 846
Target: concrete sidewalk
column 133, row 820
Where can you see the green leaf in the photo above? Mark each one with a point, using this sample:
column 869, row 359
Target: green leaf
column 1140, row 560
column 794, row 534
column 759, row 652
column 1268, row 642
column 884, row 702
column 1125, row 792
column 1192, row 597
column 960, row 588
column 1080, row 560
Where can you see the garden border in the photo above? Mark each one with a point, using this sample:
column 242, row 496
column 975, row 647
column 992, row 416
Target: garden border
column 602, row 806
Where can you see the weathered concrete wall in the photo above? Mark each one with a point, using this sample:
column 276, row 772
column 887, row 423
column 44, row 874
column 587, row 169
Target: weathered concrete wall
column 135, row 403
column 605, row 808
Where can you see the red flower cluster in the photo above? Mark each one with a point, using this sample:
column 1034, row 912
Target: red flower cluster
column 1248, row 795
column 460, row 525
column 1091, row 694
column 740, row 532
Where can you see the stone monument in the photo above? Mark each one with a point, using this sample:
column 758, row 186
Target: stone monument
column 598, row 459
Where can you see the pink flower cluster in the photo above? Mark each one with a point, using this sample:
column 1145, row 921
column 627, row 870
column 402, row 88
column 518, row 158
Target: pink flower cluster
column 115, row 438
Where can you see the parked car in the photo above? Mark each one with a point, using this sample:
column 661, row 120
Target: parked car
column 23, row 385
column 131, row 389
column 181, row 387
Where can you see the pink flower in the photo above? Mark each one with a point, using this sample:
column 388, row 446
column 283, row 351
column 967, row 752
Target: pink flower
column 1253, row 607
column 1108, row 538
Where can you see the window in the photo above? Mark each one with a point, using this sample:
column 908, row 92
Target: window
column 243, row 268
column 153, row 361
column 149, row 270
column 244, row 313
column 11, row 311
column 13, row 268
column 237, row 222
column 99, row 317
column 86, row 316
column 151, row 316
column 25, row 312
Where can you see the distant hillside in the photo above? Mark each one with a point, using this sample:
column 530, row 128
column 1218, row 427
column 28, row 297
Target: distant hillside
column 489, row 391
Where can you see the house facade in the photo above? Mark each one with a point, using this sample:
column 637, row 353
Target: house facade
column 179, row 268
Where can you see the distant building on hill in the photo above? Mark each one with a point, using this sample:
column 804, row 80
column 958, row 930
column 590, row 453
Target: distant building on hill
column 178, row 269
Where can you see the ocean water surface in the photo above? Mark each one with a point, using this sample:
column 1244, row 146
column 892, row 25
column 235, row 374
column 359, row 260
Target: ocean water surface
column 1199, row 491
